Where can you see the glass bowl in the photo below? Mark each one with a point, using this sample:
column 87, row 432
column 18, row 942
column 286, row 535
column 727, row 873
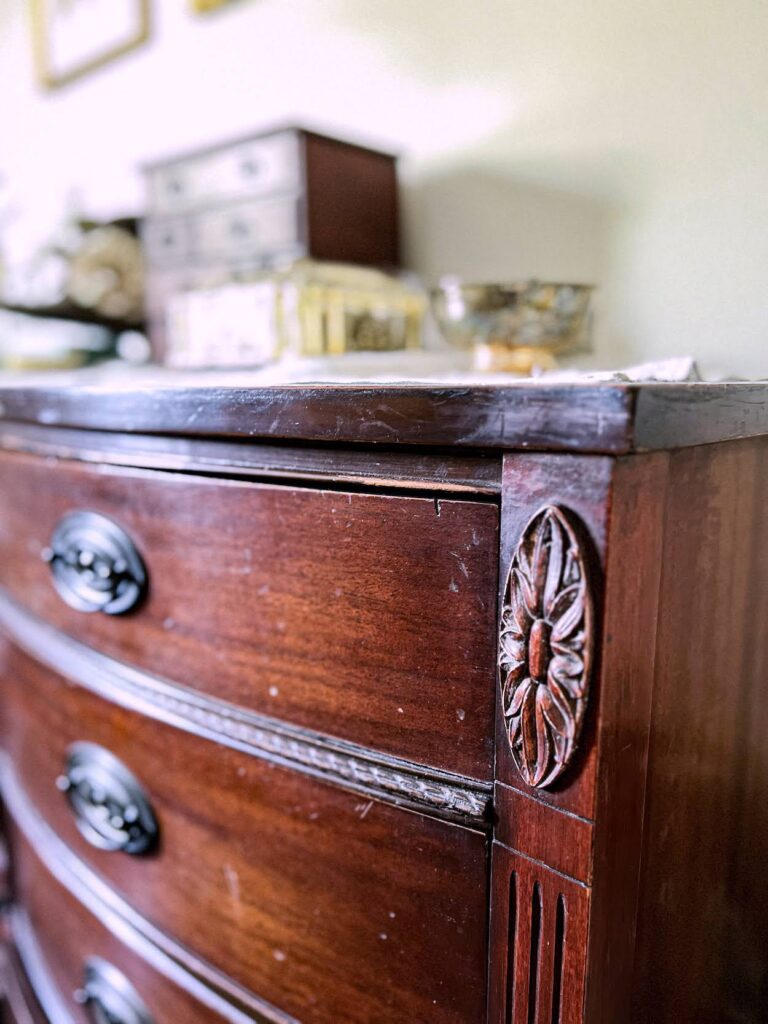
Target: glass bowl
column 517, row 327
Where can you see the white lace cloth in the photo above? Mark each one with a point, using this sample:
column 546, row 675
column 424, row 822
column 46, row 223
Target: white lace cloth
column 426, row 368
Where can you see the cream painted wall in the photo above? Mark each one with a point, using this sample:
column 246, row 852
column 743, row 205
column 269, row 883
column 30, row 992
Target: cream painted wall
column 617, row 142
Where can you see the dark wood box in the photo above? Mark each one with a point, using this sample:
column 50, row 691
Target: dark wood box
column 224, row 213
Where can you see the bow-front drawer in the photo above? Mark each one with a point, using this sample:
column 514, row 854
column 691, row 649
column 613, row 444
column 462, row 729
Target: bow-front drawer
column 85, row 971
column 366, row 617
column 328, row 905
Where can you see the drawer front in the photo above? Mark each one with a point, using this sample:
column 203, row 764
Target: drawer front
column 5, row 879
column 167, row 242
column 18, row 1003
column 234, row 235
column 255, row 168
column 365, row 617
column 246, row 230
column 328, row 905
column 72, row 952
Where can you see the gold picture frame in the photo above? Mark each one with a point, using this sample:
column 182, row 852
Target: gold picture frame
column 204, row 6
column 71, row 38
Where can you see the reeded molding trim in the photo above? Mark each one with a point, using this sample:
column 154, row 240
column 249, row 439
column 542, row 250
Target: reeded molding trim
column 199, row 979
column 371, row 773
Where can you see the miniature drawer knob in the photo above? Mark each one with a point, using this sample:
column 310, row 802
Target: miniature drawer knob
column 111, row 810
column 109, row 997
column 95, row 564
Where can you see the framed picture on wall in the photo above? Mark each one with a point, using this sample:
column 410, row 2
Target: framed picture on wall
column 202, row 6
column 74, row 37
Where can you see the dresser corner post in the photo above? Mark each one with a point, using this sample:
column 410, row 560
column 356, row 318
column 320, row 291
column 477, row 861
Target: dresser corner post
column 572, row 712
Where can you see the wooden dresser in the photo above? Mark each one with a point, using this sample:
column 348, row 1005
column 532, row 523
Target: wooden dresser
column 384, row 705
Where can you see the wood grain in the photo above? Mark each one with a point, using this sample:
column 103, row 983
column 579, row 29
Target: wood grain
column 18, row 1004
column 5, row 873
column 67, row 935
column 633, row 889
column 177, row 964
column 528, row 416
column 633, row 572
column 677, row 768
column 582, row 417
column 580, row 485
column 364, row 771
column 677, row 416
column 335, row 467
column 539, row 923
column 702, row 929
column 546, row 834
column 305, row 605
column 325, row 905
column 352, row 203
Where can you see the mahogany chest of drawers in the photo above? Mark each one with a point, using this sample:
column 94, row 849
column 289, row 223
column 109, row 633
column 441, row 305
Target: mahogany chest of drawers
column 384, row 704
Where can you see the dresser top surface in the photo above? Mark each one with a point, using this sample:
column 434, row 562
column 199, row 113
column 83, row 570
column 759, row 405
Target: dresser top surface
column 609, row 417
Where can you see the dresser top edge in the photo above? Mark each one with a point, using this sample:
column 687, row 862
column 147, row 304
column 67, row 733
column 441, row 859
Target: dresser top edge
column 610, row 418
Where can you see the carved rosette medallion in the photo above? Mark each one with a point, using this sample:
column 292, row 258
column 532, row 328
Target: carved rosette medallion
column 546, row 646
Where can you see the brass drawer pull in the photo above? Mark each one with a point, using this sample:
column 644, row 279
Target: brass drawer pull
column 111, row 810
column 109, row 997
column 95, row 564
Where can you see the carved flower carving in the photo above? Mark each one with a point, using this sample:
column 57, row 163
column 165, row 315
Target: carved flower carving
column 545, row 649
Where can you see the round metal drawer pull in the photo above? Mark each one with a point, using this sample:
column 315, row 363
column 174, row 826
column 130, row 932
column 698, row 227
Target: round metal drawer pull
column 111, row 810
column 109, row 997
column 95, row 565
